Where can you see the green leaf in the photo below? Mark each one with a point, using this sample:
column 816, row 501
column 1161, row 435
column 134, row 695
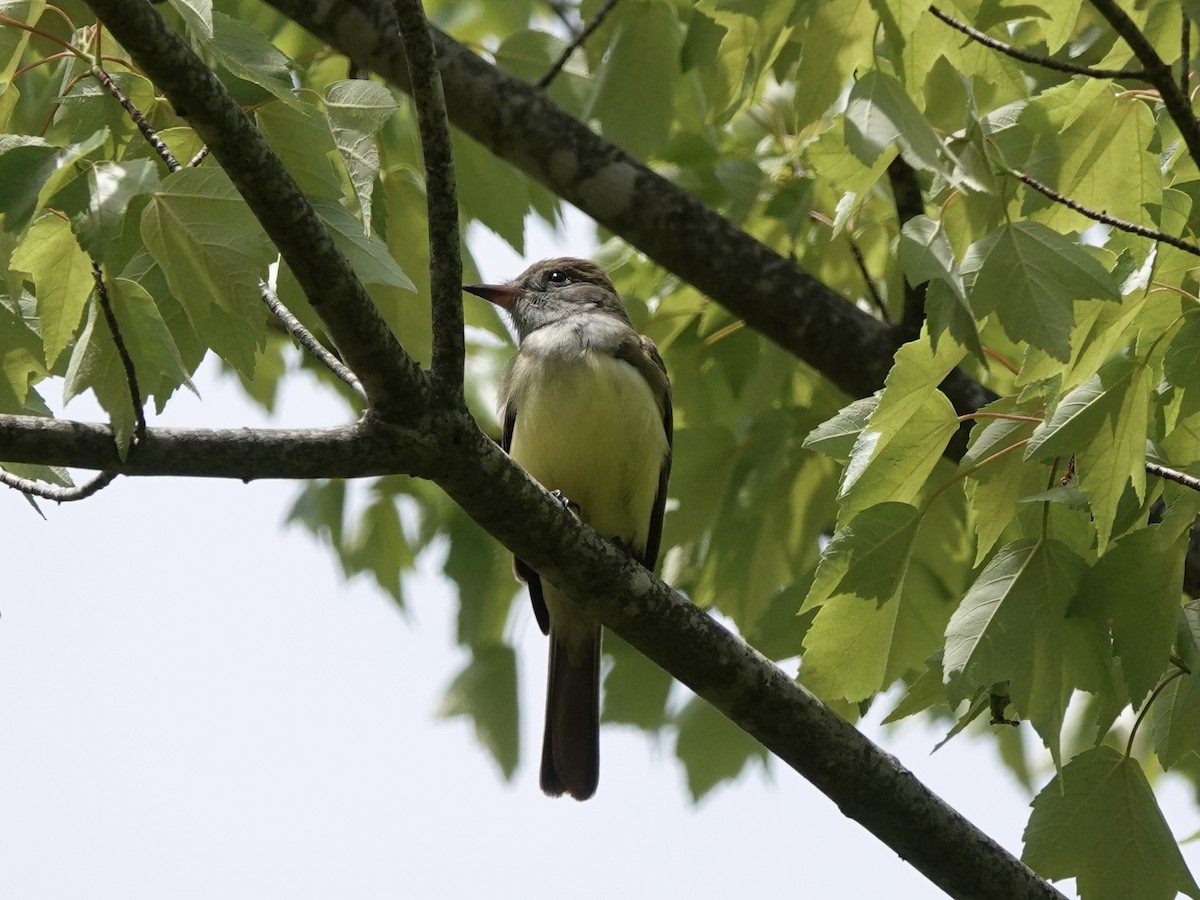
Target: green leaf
column 1182, row 362
column 300, row 136
column 1001, row 476
column 14, row 40
column 366, row 253
column 1028, row 275
column 926, row 691
column 907, row 432
column 751, row 35
column 490, row 190
column 880, row 114
column 847, row 29
column 1134, row 590
column 31, row 169
column 198, row 14
column 357, row 110
column 854, row 649
column 62, row 275
column 1097, row 821
column 711, row 748
column 95, row 364
column 837, row 436
column 1100, row 160
column 927, row 258
column 1012, row 626
column 635, row 689
column 485, row 692
column 379, row 546
column 528, row 54
column 482, row 572
column 321, row 508
column 112, row 186
column 21, row 361
column 635, row 85
column 701, row 466
column 213, row 252
column 247, row 53
column 868, row 557
column 1103, row 422
column 1176, row 711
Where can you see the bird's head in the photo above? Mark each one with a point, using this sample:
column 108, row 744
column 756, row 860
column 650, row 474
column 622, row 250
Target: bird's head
column 552, row 290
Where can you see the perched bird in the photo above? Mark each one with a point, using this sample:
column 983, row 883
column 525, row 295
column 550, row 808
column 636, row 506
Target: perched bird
column 586, row 407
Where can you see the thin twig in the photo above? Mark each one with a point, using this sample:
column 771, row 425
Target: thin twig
column 1188, row 481
column 1105, row 218
column 866, row 274
column 55, row 493
column 135, row 395
column 562, row 11
column 906, row 193
column 1158, row 73
column 576, row 43
column 1024, row 56
column 308, row 340
column 1162, row 685
column 138, row 119
column 445, row 263
column 201, row 155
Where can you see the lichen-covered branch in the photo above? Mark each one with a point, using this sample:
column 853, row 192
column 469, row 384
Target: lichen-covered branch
column 445, row 263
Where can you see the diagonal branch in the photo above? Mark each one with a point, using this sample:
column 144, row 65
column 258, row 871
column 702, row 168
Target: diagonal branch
column 1044, row 61
column 393, row 381
column 445, row 263
column 575, row 43
column 1104, row 218
column 308, row 340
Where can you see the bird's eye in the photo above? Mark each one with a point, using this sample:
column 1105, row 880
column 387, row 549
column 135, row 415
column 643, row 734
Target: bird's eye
column 558, row 277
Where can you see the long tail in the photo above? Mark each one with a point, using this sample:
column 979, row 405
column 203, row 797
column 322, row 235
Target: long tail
column 571, row 746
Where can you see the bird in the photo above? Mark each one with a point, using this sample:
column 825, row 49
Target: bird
column 586, row 410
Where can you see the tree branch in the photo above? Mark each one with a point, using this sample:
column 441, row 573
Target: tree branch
column 1188, row 481
column 308, row 340
column 906, row 193
column 367, row 448
column 445, row 262
column 54, row 492
column 1103, row 217
column 139, row 120
column 114, row 329
column 1158, row 73
column 1044, row 61
column 393, row 381
column 575, row 44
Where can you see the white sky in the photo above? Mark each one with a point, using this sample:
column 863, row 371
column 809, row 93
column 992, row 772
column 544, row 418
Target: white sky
column 194, row 705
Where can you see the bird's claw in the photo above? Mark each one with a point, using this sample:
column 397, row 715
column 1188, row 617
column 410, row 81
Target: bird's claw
column 567, row 503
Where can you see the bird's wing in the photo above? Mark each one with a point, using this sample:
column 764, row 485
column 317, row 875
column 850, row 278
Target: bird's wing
column 644, row 356
column 520, row 567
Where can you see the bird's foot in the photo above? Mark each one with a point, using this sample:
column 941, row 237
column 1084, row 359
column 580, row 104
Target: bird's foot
column 567, row 503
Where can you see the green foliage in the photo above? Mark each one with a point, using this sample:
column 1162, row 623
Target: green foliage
column 1044, row 570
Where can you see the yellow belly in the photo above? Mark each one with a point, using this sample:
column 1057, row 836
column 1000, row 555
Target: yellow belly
column 591, row 429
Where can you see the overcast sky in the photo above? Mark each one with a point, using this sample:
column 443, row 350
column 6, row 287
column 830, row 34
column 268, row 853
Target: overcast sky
column 195, row 705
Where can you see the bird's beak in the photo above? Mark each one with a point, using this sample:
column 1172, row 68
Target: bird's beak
column 502, row 295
